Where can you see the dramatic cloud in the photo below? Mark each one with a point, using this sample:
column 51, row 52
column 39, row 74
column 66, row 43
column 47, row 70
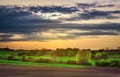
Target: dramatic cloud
column 93, row 5
column 49, row 9
column 43, row 23
column 61, row 31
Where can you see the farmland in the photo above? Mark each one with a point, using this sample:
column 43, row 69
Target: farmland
column 60, row 57
column 58, row 63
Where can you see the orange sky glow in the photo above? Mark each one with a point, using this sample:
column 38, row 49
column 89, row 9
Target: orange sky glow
column 81, row 43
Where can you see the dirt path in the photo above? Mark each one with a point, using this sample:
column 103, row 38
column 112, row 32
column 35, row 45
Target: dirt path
column 37, row 71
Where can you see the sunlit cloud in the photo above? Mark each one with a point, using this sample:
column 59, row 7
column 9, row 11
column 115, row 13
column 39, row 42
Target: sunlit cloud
column 55, row 15
column 60, row 23
column 67, row 20
column 17, row 37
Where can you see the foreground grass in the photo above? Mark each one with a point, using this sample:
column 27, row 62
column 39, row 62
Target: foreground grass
column 41, row 64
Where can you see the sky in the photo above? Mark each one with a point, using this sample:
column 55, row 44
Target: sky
column 36, row 24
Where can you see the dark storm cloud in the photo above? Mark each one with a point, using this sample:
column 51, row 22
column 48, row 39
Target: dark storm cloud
column 27, row 9
column 21, row 20
column 93, row 5
column 85, row 5
column 14, row 19
column 26, row 26
column 95, row 14
column 49, row 9
column 12, row 11
column 7, row 12
column 31, row 33
column 109, row 5
column 115, row 12
column 92, row 14
column 104, row 26
column 17, row 19
column 97, row 32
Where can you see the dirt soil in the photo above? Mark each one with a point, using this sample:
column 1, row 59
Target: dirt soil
column 39, row 71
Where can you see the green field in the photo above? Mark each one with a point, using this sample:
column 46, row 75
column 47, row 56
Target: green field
column 41, row 64
column 17, row 60
column 5, row 54
column 36, row 59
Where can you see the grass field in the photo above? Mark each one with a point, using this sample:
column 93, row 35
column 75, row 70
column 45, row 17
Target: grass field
column 41, row 64
column 113, row 60
column 64, row 59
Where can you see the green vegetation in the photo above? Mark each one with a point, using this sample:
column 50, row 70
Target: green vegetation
column 108, row 62
column 101, row 55
column 41, row 64
column 4, row 53
column 60, row 56
column 83, row 57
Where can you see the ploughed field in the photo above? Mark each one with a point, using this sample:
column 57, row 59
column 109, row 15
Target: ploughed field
column 41, row 71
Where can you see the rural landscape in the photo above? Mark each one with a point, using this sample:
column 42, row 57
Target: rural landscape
column 68, row 59
column 59, row 38
column 75, row 56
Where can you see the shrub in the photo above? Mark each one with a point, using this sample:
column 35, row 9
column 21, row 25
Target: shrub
column 16, row 59
column 102, row 63
column 115, row 63
column 1, row 57
column 61, row 62
column 71, row 62
column 83, row 57
column 24, row 59
column 10, row 57
column 20, row 53
column 101, row 55
column 111, row 63
column 30, row 59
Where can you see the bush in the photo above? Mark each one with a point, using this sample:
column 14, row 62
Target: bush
column 24, row 59
column 71, row 62
column 83, row 57
column 111, row 63
column 30, row 59
column 115, row 63
column 101, row 55
column 61, row 62
column 20, row 53
column 102, row 63
column 1, row 57
column 16, row 59
column 10, row 57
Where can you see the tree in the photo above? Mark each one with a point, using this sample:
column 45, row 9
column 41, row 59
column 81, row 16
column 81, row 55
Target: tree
column 101, row 55
column 83, row 57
